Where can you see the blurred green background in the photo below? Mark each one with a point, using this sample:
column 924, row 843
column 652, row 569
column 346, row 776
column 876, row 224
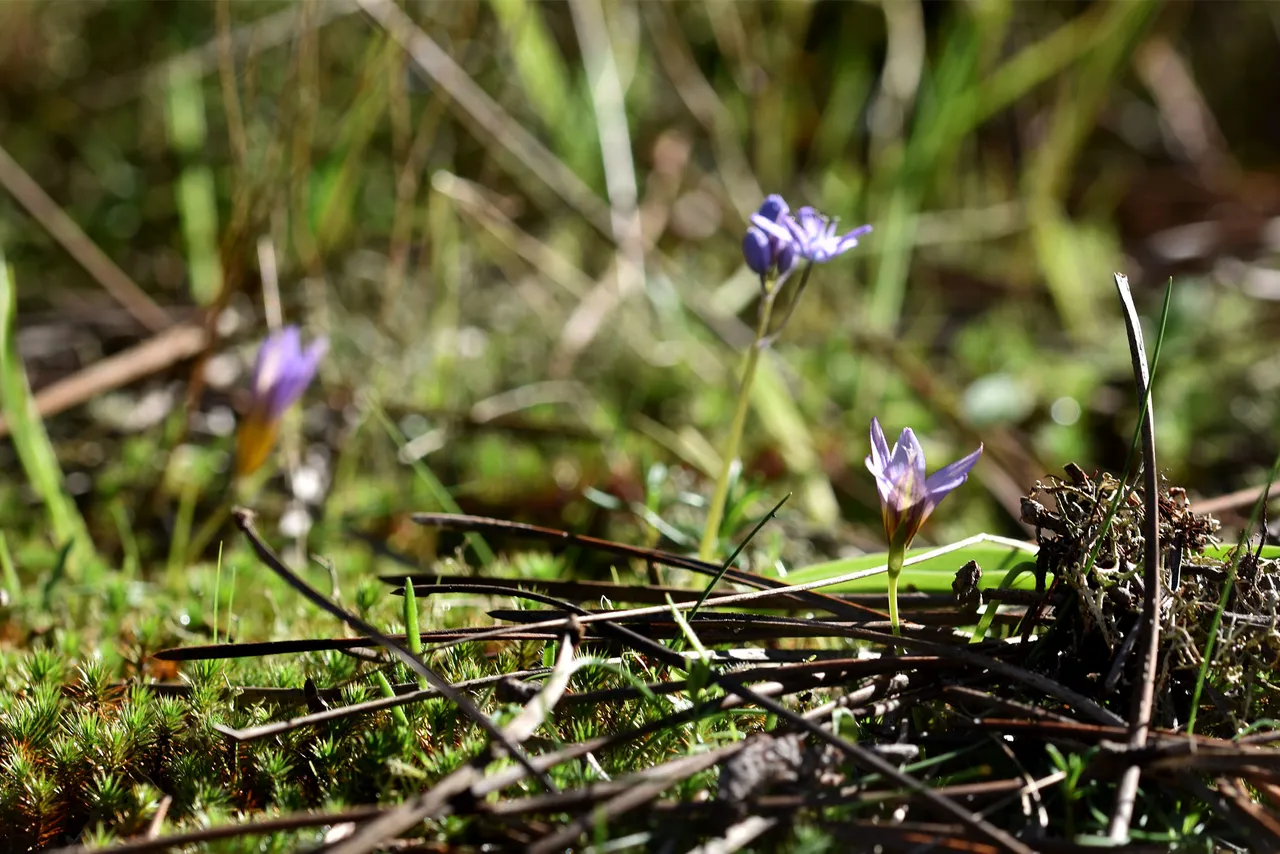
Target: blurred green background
column 518, row 224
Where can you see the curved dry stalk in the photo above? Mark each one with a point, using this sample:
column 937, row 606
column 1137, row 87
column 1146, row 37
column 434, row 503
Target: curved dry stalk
column 1140, row 718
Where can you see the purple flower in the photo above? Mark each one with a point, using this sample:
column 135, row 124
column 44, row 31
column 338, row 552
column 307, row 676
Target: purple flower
column 907, row 497
column 812, row 235
column 773, row 208
column 284, row 370
column 280, row 376
column 767, row 253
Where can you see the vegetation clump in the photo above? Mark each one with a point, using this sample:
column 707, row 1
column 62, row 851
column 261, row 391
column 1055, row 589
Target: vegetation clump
column 1224, row 604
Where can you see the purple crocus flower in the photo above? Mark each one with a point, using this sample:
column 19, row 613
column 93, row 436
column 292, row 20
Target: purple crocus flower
column 280, row 376
column 907, row 497
column 812, row 234
column 768, row 252
column 284, row 370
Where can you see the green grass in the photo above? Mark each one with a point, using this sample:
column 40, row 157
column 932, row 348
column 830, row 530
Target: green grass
column 31, row 442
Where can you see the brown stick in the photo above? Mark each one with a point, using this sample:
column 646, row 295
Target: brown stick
column 86, row 253
column 151, row 356
column 145, row 843
column 244, row 521
column 1235, row 500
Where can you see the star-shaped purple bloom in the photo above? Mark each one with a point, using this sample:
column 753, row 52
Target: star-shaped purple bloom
column 812, row 234
column 907, row 497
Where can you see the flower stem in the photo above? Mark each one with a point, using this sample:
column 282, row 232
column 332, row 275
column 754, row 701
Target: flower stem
column 715, row 512
column 897, row 554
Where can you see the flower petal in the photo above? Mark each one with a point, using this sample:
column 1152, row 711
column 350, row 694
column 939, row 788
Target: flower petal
column 798, row 236
column 812, row 222
column 849, row 240
column 907, row 496
column 785, row 259
column 773, row 229
column 274, row 357
column 908, row 455
column 297, row 376
column 314, row 353
column 949, row 477
column 879, row 446
column 773, row 208
column 756, row 252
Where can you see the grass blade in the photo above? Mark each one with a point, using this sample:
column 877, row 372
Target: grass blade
column 35, row 451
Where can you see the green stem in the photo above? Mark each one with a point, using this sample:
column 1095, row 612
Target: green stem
column 217, row 592
column 989, row 614
column 207, row 531
column 178, row 553
column 715, row 512
column 240, row 490
column 231, row 597
column 897, row 554
column 384, row 685
column 9, row 571
column 413, row 635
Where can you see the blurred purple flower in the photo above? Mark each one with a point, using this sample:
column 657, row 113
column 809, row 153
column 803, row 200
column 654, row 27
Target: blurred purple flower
column 284, row 370
column 907, row 497
column 280, row 376
column 812, row 235
column 769, row 252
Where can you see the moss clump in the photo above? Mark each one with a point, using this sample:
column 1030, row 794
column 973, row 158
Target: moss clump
column 1095, row 555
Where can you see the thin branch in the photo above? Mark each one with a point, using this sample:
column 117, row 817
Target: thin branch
column 657, row 556
column 63, row 229
column 161, row 351
column 147, row 843
column 328, row 715
column 244, row 520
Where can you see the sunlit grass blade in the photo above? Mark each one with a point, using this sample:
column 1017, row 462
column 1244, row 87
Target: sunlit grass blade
column 384, row 686
column 8, row 571
column 548, row 83
column 197, row 194
column 35, row 451
column 1123, row 493
column 217, row 592
column 933, row 569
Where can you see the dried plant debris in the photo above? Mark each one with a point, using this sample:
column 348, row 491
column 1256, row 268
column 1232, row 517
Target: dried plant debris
column 770, row 765
column 1094, row 556
column 965, row 587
